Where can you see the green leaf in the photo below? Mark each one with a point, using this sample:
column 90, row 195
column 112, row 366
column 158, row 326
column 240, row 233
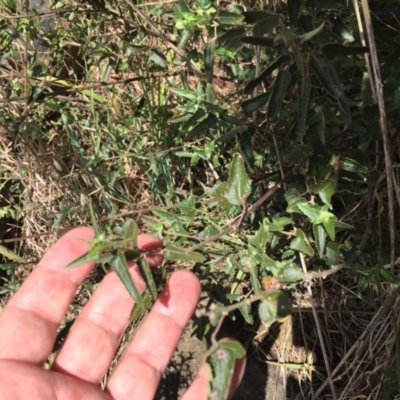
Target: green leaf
column 40, row 69
column 337, row 50
column 131, row 232
column 158, row 58
column 257, row 16
column 283, row 59
column 258, row 41
column 261, row 237
column 282, row 221
column 320, row 238
column 312, row 212
column 210, row 93
column 138, row 309
column 166, row 216
column 200, row 113
column 220, row 361
column 209, row 60
column 293, row 198
column 325, row 190
column 93, row 255
column 119, row 265
column 300, row 245
column 10, row 255
column 188, row 208
column 231, row 39
column 275, row 102
column 253, row 104
column 309, row 35
column 172, row 253
column 208, row 123
column 389, row 277
column 266, row 25
column 328, row 220
column 179, row 228
column 322, row 70
column 340, row 29
column 246, row 147
column 245, row 310
column 328, row 5
column 228, row 18
column 294, row 7
column 255, row 283
column 98, row 237
column 266, row 312
column 145, row 270
column 351, row 165
column 239, row 185
column 186, row 94
column 290, row 273
column 275, row 305
column 304, row 100
column 342, row 225
column 332, row 252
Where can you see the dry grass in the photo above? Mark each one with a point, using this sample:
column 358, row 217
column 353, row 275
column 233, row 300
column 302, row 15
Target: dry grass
column 361, row 340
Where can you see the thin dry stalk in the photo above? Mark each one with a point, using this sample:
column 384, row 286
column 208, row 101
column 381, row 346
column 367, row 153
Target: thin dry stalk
column 366, row 55
column 318, row 326
column 383, row 125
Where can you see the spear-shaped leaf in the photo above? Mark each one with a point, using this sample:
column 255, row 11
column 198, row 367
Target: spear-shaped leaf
column 228, row 18
column 309, row 35
column 208, row 123
column 137, row 309
column 93, row 218
column 119, row 265
column 337, row 49
column 10, row 255
column 209, row 60
column 172, row 253
column 93, row 255
column 131, row 232
column 253, row 104
column 303, row 105
column 148, row 276
column 294, row 7
column 283, row 59
column 322, row 69
column 281, row 84
column 239, row 185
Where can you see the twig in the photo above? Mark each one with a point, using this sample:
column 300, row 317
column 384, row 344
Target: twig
column 383, row 125
column 366, row 55
column 319, row 331
column 356, row 346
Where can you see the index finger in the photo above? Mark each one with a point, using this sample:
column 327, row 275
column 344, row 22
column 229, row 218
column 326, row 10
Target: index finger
column 29, row 322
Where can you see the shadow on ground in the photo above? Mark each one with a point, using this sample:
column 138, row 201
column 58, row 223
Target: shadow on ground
column 261, row 381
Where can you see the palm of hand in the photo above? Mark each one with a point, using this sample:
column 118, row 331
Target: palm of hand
column 28, row 328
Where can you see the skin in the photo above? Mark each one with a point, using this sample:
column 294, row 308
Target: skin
column 29, row 322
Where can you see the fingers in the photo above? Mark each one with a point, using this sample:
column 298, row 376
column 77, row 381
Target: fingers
column 28, row 324
column 20, row 380
column 93, row 339
column 198, row 388
column 139, row 371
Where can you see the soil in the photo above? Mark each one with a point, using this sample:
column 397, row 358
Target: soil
column 261, row 381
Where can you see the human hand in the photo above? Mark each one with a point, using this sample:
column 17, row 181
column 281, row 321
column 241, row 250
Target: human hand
column 29, row 322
